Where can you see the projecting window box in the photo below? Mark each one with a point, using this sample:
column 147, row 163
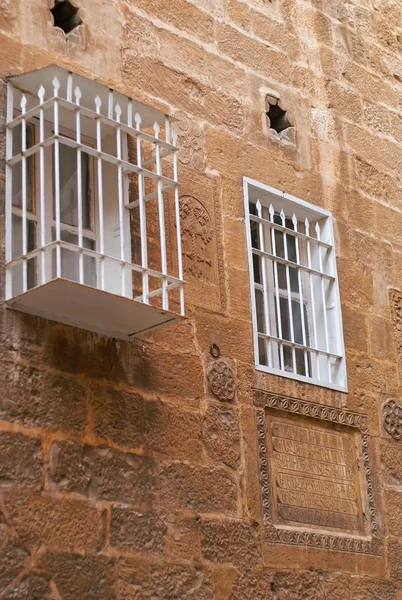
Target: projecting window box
column 295, row 299
column 91, row 177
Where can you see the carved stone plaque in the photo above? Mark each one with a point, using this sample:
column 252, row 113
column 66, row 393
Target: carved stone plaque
column 314, row 475
column 316, row 479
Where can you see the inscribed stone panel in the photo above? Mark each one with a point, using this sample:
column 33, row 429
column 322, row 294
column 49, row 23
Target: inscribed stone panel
column 316, row 479
column 314, row 475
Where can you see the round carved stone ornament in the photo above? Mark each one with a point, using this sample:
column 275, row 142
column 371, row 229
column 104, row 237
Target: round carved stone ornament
column 221, row 380
column 392, row 418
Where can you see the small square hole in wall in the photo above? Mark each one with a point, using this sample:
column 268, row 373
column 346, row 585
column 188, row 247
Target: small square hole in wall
column 65, row 15
column 278, row 119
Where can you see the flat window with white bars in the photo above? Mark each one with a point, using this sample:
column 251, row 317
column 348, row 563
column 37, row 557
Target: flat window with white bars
column 91, row 192
column 294, row 288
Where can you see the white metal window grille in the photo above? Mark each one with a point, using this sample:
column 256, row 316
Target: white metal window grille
column 294, row 288
column 91, row 179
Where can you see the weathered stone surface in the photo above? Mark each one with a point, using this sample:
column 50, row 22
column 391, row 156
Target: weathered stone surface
column 252, row 584
column 173, row 431
column 364, row 589
column 137, row 531
column 118, row 415
column 129, row 420
column 32, row 587
column 393, row 501
column 230, row 541
column 21, row 460
column 293, row 586
column 221, row 435
column 201, row 489
column 79, row 577
column 395, row 560
column 178, row 375
column 391, row 462
column 13, row 558
column 103, row 473
column 41, row 399
column 181, row 15
column 338, row 587
column 164, row 581
column 3, row 530
column 183, row 538
column 58, row 523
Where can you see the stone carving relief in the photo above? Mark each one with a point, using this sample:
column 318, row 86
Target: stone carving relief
column 295, row 485
column 221, row 379
column 201, row 239
column 190, row 141
column 392, row 419
column 395, row 301
column 196, row 238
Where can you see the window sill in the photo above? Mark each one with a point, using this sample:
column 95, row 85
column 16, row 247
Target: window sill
column 302, row 378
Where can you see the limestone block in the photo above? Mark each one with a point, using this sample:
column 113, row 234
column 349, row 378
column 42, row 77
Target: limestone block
column 79, row 577
column 292, row 586
column 118, row 415
column 21, row 460
column 221, row 435
column 200, row 489
column 130, row 420
column 137, row 531
column 230, row 541
column 364, row 589
column 395, row 560
column 253, row 583
column 42, row 519
column 32, row 587
column 162, row 580
column 13, row 558
column 42, row 399
column 103, row 473
column 393, row 513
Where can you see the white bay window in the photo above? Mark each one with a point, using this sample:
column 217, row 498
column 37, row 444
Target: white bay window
column 294, row 288
column 91, row 177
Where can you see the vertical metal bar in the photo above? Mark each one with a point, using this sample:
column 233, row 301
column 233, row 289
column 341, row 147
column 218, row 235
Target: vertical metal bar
column 143, row 220
column 177, row 219
column 167, row 129
column 324, row 302
column 42, row 201
column 98, row 104
column 161, row 211
column 313, row 313
column 56, row 86
column 110, row 110
column 24, row 195
column 268, row 342
column 130, row 113
column 121, row 204
column 77, row 93
column 289, row 291
column 70, row 87
column 276, row 285
column 9, row 192
column 299, row 279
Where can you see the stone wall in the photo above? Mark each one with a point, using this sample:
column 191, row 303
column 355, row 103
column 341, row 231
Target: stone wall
column 126, row 470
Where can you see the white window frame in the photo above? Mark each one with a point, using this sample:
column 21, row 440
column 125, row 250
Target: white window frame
column 50, row 220
column 322, row 344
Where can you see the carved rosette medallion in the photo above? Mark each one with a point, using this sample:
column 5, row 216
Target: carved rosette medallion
column 221, row 380
column 392, row 419
column 311, row 480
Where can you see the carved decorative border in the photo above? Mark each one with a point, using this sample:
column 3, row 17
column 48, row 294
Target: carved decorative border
column 309, row 538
